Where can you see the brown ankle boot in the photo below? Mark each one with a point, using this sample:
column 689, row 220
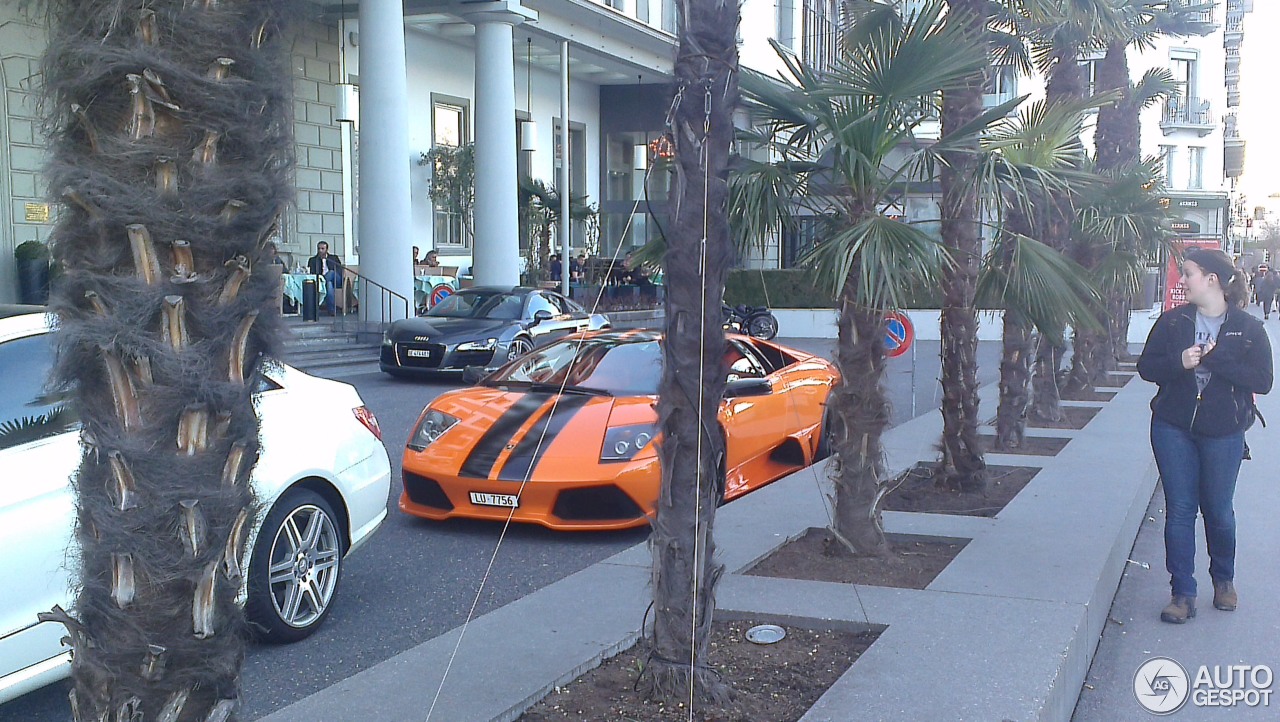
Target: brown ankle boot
column 1180, row 609
column 1224, row 595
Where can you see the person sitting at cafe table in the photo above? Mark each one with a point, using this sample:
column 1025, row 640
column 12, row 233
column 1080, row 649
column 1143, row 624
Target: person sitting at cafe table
column 554, row 269
column 433, row 259
column 330, row 268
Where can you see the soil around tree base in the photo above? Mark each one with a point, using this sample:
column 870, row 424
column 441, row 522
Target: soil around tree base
column 917, row 490
column 912, row 562
column 1087, row 395
column 1031, row 445
column 1073, row 417
column 1115, row 381
column 771, row 682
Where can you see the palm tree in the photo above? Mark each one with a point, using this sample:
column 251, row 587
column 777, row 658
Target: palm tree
column 1059, row 33
column 1123, row 220
column 692, row 451
column 1117, row 137
column 1027, row 160
column 963, row 465
column 171, row 147
column 540, row 215
column 846, row 146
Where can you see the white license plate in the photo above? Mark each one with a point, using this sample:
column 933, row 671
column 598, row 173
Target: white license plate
column 418, row 353
column 508, row 500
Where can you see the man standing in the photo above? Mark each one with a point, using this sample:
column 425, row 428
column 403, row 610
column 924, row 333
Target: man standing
column 330, row 268
column 1266, row 283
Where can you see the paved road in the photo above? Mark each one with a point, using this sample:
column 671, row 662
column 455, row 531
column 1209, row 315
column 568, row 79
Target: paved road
column 416, row 579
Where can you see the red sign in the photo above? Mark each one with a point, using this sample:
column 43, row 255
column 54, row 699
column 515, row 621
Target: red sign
column 1174, row 294
column 898, row 334
column 440, row 292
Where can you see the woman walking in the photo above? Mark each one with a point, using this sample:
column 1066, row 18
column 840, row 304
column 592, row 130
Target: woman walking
column 1209, row 358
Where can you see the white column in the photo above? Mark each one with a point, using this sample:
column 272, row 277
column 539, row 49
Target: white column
column 385, row 216
column 496, row 245
column 565, row 176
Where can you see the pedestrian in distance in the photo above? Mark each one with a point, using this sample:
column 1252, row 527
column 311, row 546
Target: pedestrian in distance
column 1267, row 282
column 1208, row 357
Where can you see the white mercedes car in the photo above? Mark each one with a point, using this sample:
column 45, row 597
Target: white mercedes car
column 320, row 501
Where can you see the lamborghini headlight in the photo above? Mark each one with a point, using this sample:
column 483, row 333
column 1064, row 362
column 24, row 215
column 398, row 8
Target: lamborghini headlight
column 431, row 427
column 622, row 443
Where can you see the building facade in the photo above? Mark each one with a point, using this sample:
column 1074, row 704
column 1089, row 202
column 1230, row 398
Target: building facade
column 470, row 73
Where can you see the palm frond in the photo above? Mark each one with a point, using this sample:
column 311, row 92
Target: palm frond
column 1048, row 288
column 1156, row 85
column 885, row 259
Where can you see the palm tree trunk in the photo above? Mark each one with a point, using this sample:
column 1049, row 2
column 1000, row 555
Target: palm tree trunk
column 963, row 466
column 1016, row 351
column 1015, row 378
column 860, row 415
column 1116, row 138
column 1065, row 83
column 699, row 254
column 171, row 146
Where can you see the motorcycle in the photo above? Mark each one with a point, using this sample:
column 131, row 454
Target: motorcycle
column 755, row 321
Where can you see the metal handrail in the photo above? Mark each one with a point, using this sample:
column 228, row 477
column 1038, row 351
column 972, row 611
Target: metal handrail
column 388, row 302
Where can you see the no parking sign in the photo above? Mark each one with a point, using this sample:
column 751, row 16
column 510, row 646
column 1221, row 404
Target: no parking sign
column 898, row 334
column 440, row 292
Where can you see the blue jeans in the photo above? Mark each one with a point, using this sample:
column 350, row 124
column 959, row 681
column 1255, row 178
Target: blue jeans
column 332, row 283
column 1198, row 474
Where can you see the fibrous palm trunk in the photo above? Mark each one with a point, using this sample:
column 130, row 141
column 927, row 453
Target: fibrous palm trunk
column 1117, row 140
column 963, row 466
column 1065, row 84
column 698, row 256
column 859, row 414
column 171, row 147
column 1016, row 351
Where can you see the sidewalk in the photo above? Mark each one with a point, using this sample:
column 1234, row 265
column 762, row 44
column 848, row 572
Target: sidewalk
column 1006, row 632
column 1248, row 636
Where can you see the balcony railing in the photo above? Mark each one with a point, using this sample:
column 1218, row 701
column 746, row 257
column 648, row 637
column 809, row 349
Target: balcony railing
column 1187, row 114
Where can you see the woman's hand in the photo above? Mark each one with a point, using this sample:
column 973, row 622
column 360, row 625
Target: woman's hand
column 1191, row 357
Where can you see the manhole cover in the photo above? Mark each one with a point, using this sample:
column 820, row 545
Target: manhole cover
column 766, row 634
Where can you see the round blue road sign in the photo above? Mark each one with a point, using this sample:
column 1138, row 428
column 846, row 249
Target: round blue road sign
column 898, row 334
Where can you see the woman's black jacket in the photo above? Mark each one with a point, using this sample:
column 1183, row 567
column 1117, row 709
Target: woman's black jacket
column 1240, row 363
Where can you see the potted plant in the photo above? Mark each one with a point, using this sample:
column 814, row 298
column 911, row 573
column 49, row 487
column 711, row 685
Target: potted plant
column 33, row 272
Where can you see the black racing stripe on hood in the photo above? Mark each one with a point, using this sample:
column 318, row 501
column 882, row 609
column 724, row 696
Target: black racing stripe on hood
column 479, row 463
column 525, row 457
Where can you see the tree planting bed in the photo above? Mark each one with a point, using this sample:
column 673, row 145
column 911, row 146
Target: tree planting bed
column 916, row 490
column 774, row 682
column 1031, row 445
column 1073, row 417
column 912, row 562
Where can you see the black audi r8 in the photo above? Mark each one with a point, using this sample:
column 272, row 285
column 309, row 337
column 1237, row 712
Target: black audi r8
column 481, row 326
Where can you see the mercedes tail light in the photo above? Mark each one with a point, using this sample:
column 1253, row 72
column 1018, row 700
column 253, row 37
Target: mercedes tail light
column 366, row 417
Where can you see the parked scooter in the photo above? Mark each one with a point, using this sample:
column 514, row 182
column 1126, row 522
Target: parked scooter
column 755, row 321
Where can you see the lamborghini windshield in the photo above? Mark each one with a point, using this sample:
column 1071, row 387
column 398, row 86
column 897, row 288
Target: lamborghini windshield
column 619, row 367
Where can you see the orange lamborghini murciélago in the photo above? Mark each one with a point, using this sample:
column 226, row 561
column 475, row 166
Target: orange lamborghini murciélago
column 564, row 436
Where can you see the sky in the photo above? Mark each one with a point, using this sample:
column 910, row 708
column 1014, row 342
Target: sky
column 1259, row 110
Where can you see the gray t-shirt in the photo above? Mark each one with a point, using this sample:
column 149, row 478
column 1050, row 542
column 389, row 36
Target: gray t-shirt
column 1207, row 328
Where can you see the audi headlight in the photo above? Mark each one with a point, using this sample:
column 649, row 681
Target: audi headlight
column 386, row 337
column 622, row 443
column 433, row 425
column 488, row 344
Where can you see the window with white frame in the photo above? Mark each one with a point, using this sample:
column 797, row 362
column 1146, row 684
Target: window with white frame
column 450, row 130
column 1168, row 154
column 787, row 23
column 1195, row 176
